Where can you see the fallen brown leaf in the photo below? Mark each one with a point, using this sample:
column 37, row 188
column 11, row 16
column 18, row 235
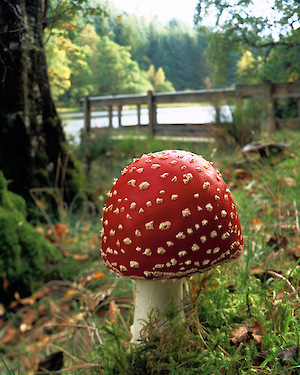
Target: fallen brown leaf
column 287, row 181
column 278, row 241
column 53, row 362
column 60, row 231
column 71, row 293
column 10, row 335
column 113, row 311
column 256, row 223
column 288, row 355
column 98, row 275
column 2, row 309
column 245, row 334
column 29, row 317
column 81, row 256
column 295, row 252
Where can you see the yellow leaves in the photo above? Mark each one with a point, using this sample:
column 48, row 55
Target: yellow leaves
column 58, row 64
column 71, row 293
column 92, row 277
column 50, row 73
column 294, row 76
column 68, row 26
column 246, row 62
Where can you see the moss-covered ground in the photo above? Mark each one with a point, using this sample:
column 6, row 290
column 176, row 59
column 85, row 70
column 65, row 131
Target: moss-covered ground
column 241, row 318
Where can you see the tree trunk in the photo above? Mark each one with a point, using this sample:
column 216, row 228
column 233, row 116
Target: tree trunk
column 32, row 142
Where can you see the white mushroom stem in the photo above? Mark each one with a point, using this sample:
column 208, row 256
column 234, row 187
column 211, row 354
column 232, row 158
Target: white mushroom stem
column 155, row 295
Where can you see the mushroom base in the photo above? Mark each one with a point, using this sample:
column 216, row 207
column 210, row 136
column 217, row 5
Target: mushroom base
column 154, row 295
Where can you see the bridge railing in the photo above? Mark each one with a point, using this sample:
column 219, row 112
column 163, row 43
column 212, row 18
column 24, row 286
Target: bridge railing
column 266, row 91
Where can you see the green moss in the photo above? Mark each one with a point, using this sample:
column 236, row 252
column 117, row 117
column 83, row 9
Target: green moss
column 17, row 203
column 3, row 186
column 27, row 259
column 10, row 201
column 201, row 344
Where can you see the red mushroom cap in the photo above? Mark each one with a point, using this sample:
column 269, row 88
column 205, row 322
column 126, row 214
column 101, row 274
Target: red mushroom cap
column 169, row 215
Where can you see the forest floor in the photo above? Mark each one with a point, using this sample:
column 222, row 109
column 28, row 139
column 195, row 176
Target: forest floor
column 242, row 318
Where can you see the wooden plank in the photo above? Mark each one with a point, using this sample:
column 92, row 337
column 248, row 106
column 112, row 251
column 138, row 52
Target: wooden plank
column 181, row 129
column 196, row 96
column 117, row 100
column 162, row 98
column 286, row 90
column 250, row 91
column 289, row 89
column 288, row 124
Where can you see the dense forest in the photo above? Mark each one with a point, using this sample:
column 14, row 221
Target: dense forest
column 124, row 54
column 120, row 53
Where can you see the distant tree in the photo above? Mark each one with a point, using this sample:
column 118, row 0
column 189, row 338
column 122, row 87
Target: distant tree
column 283, row 63
column 151, row 73
column 272, row 36
column 259, row 29
column 59, row 72
column 116, row 72
column 245, row 68
column 179, row 51
column 221, row 53
column 181, row 45
column 158, row 80
column 160, row 77
column 175, row 47
column 81, row 66
column 125, row 30
column 199, row 67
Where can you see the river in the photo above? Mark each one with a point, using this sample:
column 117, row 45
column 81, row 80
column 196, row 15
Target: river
column 74, row 122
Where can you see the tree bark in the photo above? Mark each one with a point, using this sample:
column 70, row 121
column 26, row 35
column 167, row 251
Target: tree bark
column 32, row 142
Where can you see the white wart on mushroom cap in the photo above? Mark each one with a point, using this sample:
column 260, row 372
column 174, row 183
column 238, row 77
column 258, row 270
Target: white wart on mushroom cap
column 169, row 215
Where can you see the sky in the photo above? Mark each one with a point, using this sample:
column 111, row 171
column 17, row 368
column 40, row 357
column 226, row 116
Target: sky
column 163, row 9
column 184, row 10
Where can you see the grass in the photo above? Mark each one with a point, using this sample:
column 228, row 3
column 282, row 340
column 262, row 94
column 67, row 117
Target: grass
column 241, row 318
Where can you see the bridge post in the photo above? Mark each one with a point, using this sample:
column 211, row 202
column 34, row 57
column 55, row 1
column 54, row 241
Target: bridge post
column 151, row 112
column 120, row 115
column 270, row 122
column 138, row 107
column 110, row 116
column 87, row 116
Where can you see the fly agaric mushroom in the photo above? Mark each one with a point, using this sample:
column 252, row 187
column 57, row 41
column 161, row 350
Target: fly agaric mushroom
column 168, row 216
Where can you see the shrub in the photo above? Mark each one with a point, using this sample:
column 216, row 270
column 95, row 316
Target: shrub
column 242, row 129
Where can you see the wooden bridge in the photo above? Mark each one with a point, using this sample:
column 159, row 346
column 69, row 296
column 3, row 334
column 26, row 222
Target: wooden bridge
column 266, row 91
